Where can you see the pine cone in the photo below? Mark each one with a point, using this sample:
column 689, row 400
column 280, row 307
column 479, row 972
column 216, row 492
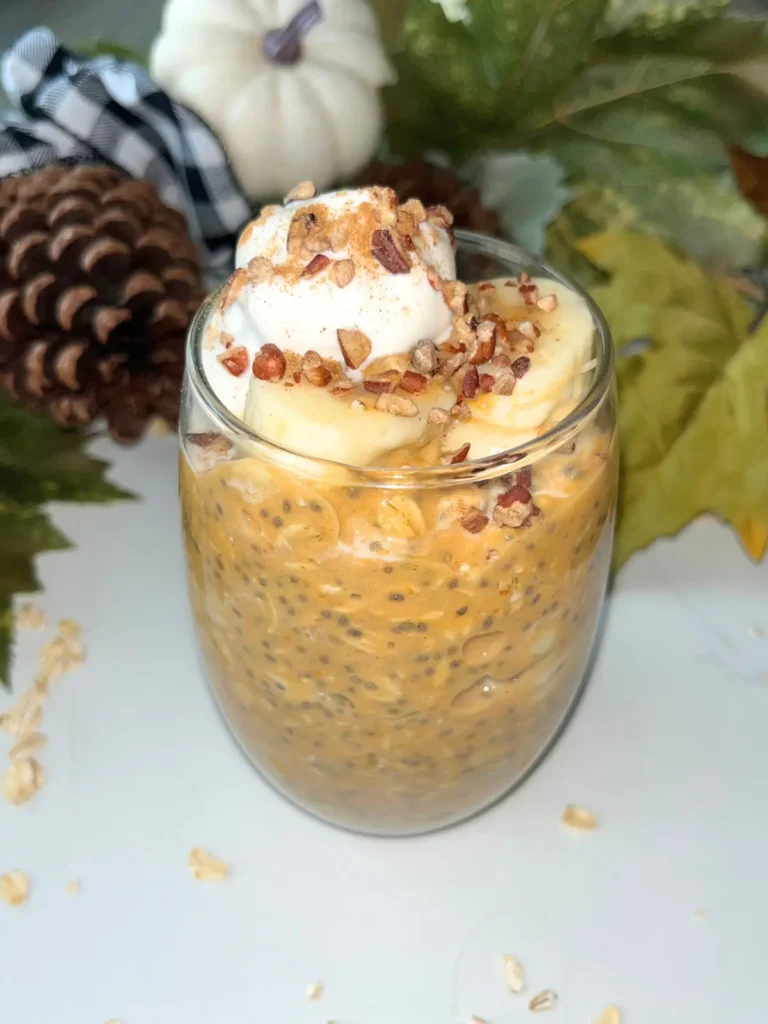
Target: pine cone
column 98, row 283
column 434, row 185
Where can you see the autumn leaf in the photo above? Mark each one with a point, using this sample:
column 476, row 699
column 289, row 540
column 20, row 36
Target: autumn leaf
column 693, row 402
column 39, row 462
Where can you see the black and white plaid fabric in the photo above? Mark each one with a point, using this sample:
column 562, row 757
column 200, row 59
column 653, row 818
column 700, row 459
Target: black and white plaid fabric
column 107, row 110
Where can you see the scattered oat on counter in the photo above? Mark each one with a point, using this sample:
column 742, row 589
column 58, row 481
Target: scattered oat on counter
column 24, row 776
column 30, row 616
column 205, row 867
column 578, row 818
column 610, row 1015
column 72, row 888
column 545, row 1000
column 478, row 1020
column 514, row 975
column 14, row 888
column 315, row 990
column 21, row 780
column 700, row 915
column 756, row 631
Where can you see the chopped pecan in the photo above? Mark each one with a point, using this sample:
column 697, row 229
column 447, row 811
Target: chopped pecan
column 342, row 272
column 355, row 347
column 269, row 363
column 434, row 278
column 528, row 329
column 203, row 440
column 473, row 520
column 385, row 249
column 483, row 346
column 313, row 369
column 455, row 294
column 486, row 286
column 235, row 360
column 357, row 405
column 304, row 190
column 486, row 381
column 501, row 334
column 439, row 416
column 379, row 384
column 298, row 231
column 548, row 303
column 406, row 224
column 521, row 366
column 501, row 361
column 517, row 493
column 396, row 405
column 440, row 216
column 259, row 269
column 450, row 366
column 515, row 515
column 316, row 265
column 520, row 478
column 470, row 382
column 424, row 358
column 341, row 388
column 415, row 208
column 459, row 411
column 466, row 327
column 388, row 207
column 504, row 383
column 338, row 240
column 454, row 458
column 530, row 293
column 413, row 382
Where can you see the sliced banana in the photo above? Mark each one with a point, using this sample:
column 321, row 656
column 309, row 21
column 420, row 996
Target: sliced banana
column 554, row 384
column 311, row 421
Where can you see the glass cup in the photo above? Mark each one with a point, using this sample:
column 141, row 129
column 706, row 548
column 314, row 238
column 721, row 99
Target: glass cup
column 382, row 667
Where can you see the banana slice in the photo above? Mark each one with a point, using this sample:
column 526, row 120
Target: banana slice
column 310, row 421
column 554, row 384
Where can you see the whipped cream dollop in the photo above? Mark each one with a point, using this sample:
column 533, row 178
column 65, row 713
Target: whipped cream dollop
column 308, row 269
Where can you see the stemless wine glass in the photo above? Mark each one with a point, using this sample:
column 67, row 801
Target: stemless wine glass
column 383, row 667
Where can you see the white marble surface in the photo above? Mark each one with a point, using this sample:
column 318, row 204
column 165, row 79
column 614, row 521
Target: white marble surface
column 669, row 748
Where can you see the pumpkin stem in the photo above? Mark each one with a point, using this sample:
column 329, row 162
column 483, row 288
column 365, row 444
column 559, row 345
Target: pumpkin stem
column 283, row 45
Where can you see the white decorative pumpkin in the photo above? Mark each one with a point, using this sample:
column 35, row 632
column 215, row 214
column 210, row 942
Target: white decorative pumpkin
column 290, row 88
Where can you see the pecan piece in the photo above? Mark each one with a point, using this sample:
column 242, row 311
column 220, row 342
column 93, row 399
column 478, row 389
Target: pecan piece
column 235, row 360
column 471, row 382
column 455, row 295
column 259, row 269
column 528, row 329
column 388, row 207
column 341, row 388
column 450, row 366
column 434, row 278
column 355, row 347
column 313, row 369
column 269, row 363
column 395, row 405
column 504, row 384
column 415, row 208
column 514, row 508
column 483, row 345
column 413, row 382
column 385, row 249
column 548, row 303
column 379, row 385
column 424, row 358
column 486, row 382
column 304, row 190
column 521, row 366
column 298, row 231
column 316, row 265
column 530, row 293
column 501, row 335
column 473, row 520
column 342, row 272
column 438, row 416
column 501, row 361
column 440, row 216
column 454, row 458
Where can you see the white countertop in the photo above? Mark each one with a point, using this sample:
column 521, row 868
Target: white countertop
column 669, row 748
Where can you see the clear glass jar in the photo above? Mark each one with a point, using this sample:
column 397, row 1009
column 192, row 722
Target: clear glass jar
column 382, row 667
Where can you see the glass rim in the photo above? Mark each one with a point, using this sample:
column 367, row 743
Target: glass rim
column 470, row 241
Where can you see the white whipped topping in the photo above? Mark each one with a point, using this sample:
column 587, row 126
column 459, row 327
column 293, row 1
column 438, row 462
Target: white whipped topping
column 395, row 311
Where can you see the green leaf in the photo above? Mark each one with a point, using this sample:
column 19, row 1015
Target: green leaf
column 465, row 84
column 634, row 188
column 527, row 190
column 693, row 404
column 658, row 18
column 39, row 462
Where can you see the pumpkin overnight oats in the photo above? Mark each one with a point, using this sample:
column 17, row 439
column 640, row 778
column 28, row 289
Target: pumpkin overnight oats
column 398, row 495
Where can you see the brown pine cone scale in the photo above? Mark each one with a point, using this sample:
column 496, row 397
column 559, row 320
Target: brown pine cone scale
column 98, row 283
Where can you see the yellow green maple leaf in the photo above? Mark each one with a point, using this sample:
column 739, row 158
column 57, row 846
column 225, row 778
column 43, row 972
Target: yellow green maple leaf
column 693, row 402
